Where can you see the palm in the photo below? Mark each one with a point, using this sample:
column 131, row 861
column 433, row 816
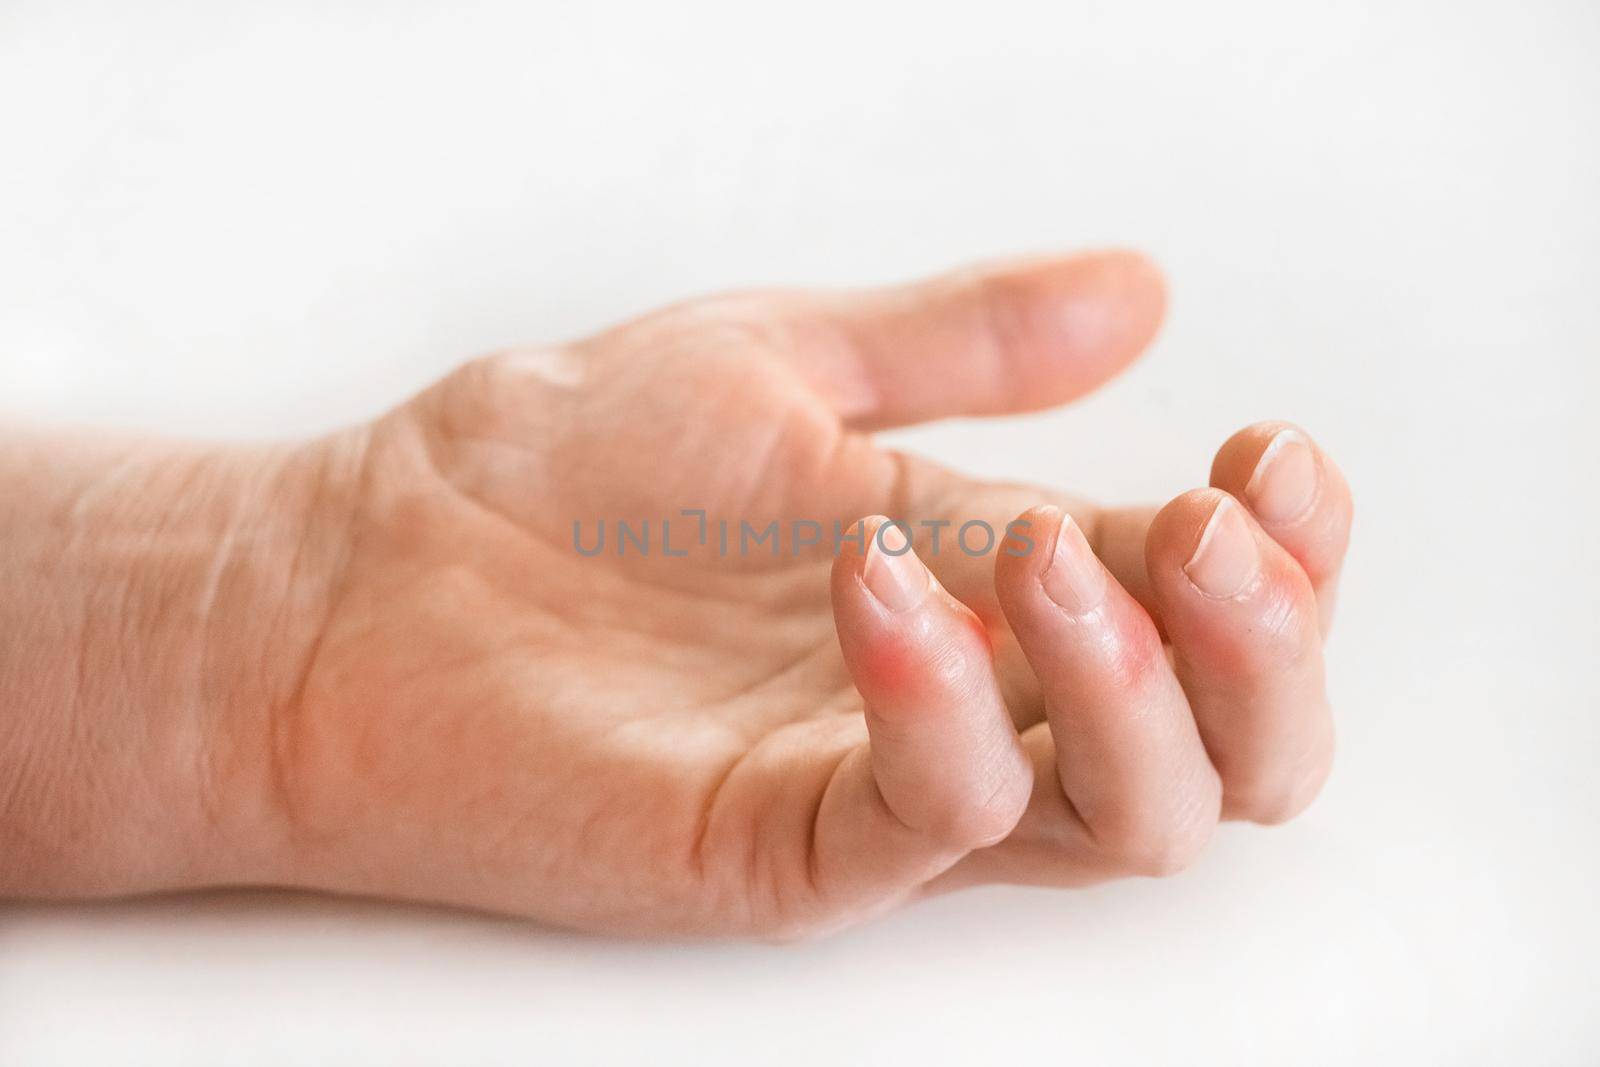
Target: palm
column 470, row 627
column 635, row 739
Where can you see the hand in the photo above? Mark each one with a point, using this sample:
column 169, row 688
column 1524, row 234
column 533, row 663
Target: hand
column 751, row 744
column 386, row 662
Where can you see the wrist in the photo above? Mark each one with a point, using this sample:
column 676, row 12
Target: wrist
column 165, row 602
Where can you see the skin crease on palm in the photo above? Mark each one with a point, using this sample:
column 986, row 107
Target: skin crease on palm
column 378, row 665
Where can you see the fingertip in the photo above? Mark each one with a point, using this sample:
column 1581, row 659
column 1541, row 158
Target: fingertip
column 1136, row 279
column 1240, row 453
column 875, row 556
column 1088, row 317
column 1177, row 529
column 1294, row 490
column 1028, row 544
column 1276, row 470
column 1213, row 567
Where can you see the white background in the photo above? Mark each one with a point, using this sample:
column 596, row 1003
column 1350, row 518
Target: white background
column 1381, row 220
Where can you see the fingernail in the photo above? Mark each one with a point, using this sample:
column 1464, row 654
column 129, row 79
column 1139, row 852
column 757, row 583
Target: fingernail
column 1284, row 482
column 1074, row 579
column 893, row 572
column 1226, row 558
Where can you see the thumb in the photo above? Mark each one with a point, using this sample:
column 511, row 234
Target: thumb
column 988, row 340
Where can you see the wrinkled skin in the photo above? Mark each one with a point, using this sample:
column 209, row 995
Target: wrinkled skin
column 655, row 744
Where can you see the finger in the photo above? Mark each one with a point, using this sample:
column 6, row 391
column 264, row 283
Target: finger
column 1298, row 496
column 1127, row 753
column 988, row 340
column 944, row 771
column 1242, row 619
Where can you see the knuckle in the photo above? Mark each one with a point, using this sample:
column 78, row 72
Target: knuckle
column 1008, row 304
column 1013, row 321
column 978, row 822
column 1161, row 848
column 1273, row 808
column 495, row 393
column 1283, row 634
column 1159, row 854
column 1274, row 800
column 1133, row 656
column 1288, row 622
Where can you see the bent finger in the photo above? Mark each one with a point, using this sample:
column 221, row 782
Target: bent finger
column 1127, row 752
column 1242, row 618
column 944, row 771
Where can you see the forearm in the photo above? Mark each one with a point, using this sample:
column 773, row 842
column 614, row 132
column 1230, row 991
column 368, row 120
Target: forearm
column 158, row 603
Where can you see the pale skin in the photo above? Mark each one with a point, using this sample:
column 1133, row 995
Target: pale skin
column 374, row 663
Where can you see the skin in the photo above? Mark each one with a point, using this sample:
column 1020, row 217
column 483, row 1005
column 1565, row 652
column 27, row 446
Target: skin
column 374, row 663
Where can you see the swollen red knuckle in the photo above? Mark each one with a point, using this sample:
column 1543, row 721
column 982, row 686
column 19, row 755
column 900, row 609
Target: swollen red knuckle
column 1137, row 652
